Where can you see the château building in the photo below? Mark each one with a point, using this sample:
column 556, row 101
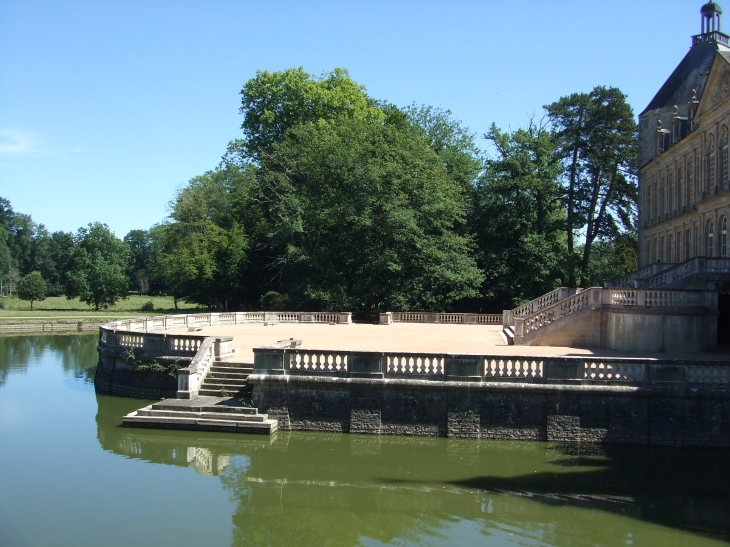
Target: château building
column 684, row 183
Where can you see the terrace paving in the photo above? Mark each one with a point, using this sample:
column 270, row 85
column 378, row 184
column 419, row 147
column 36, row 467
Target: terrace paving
column 414, row 337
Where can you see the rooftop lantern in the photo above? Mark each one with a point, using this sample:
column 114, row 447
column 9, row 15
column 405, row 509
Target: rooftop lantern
column 710, row 17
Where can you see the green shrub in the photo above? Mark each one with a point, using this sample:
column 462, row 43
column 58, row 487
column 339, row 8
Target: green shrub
column 148, row 306
column 274, row 301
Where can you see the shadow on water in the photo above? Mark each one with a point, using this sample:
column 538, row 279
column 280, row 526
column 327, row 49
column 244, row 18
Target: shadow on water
column 308, row 488
column 683, row 488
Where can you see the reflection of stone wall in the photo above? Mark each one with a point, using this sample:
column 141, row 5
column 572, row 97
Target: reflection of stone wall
column 669, row 415
column 114, row 376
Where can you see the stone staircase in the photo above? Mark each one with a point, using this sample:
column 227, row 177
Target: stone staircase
column 203, row 413
column 227, row 379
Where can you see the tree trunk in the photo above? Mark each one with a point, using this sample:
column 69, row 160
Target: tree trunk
column 571, row 205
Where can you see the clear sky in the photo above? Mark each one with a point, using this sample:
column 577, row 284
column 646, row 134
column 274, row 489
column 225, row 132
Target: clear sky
column 106, row 108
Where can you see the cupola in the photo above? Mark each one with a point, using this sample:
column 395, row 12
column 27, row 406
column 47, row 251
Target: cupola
column 710, row 19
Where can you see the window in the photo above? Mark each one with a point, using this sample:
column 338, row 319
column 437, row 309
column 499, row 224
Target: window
column 723, row 237
column 710, row 236
column 688, row 243
column 680, row 248
column 690, row 184
column 724, row 158
column 711, row 166
column 650, row 210
column 680, row 187
column 670, row 247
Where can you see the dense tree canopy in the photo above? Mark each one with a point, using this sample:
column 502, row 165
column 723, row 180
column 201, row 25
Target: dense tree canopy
column 364, row 216
column 335, row 200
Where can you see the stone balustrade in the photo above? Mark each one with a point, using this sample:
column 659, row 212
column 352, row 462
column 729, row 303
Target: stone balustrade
column 388, row 318
column 667, row 274
column 614, row 298
column 166, row 322
column 282, row 361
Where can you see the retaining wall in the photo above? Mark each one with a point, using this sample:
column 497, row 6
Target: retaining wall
column 512, row 411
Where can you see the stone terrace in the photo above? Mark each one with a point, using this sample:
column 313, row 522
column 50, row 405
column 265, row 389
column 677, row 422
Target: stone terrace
column 415, row 337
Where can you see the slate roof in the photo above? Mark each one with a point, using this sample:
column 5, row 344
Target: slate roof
column 677, row 90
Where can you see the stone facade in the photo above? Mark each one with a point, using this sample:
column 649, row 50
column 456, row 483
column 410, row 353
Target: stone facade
column 684, row 182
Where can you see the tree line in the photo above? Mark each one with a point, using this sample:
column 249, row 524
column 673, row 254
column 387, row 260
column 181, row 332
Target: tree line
column 335, row 200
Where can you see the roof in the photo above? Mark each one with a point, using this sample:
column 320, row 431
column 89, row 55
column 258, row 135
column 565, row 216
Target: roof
column 677, row 90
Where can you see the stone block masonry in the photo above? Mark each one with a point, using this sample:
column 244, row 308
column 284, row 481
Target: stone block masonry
column 661, row 415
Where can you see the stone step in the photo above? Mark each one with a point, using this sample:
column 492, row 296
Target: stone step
column 244, row 410
column 216, row 381
column 148, row 411
column 232, row 375
column 230, row 370
column 194, row 423
column 232, row 364
column 233, row 390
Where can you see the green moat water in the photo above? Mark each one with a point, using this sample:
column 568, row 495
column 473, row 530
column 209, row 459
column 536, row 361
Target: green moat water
column 70, row 475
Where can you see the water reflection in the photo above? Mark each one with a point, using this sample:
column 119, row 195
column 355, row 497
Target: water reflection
column 76, row 352
column 306, row 488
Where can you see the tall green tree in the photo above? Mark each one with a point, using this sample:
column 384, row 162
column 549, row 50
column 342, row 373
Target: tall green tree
column 518, row 216
column 98, row 267
column 32, row 287
column 365, row 216
column 204, row 246
column 598, row 139
column 274, row 102
column 451, row 141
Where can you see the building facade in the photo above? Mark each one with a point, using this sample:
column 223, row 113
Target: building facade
column 684, row 179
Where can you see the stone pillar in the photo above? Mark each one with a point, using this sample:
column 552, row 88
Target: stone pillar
column 366, row 364
column 269, row 361
column 463, row 368
column 386, row 318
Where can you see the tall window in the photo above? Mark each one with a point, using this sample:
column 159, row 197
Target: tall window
column 662, row 198
column 678, row 246
column 724, row 158
column 711, row 166
column 670, row 245
column 650, row 212
column 680, row 188
column 710, row 240
column 690, row 184
column 688, row 243
column 723, row 237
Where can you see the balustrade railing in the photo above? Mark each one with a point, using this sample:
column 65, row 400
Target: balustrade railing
column 441, row 318
column 487, row 368
column 315, row 361
column 596, row 297
column 414, row 364
column 197, row 320
column 527, row 369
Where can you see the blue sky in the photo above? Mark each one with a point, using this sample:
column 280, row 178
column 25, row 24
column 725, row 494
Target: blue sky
column 106, row 108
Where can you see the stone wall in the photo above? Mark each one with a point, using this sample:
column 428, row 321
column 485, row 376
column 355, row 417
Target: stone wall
column 115, row 376
column 669, row 414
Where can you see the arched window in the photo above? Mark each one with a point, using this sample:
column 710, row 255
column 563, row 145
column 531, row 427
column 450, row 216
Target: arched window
column 710, row 240
column 724, row 180
column 723, row 237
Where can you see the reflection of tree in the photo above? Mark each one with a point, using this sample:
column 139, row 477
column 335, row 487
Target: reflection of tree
column 336, row 490
column 77, row 353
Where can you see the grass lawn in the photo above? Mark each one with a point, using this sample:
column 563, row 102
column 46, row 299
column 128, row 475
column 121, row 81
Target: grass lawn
column 58, row 307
